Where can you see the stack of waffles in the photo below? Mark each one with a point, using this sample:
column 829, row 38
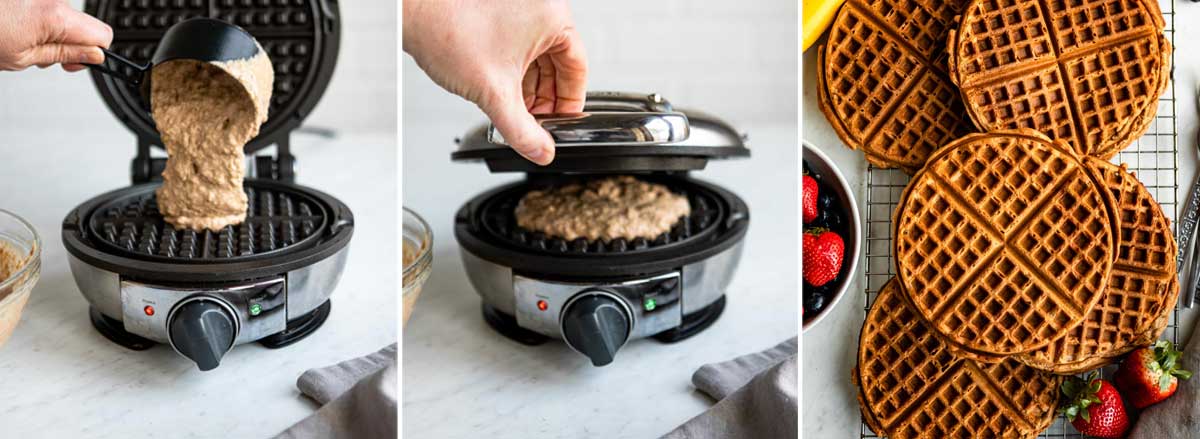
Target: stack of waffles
column 1022, row 254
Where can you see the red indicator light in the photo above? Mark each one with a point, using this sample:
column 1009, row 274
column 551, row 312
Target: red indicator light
column 149, row 310
column 542, row 305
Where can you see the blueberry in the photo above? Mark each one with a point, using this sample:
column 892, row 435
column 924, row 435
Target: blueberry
column 825, row 200
column 807, row 170
column 814, row 302
column 833, row 220
column 828, row 219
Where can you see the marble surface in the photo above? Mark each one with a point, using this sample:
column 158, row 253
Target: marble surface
column 829, row 408
column 463, row 380
column 60, row 378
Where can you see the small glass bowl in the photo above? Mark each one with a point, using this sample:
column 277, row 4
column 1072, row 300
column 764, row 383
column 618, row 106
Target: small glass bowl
column 21, row 240
column 417, row 257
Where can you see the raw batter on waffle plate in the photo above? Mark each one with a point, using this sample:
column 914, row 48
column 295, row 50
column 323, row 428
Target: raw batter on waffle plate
column 206, row 112
column 609, row 208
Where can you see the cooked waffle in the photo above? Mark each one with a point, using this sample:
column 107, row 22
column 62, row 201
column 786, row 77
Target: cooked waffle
column 1086, row 71
column 1003, row 242
column 1160, row 323
column 911, row 386
column 882, row 80
column 1138, row 287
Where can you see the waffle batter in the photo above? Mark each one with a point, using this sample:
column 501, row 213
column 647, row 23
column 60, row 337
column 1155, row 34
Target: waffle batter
column 206, row 112
column 607, row 209
column 409, row 253
column 11, row 260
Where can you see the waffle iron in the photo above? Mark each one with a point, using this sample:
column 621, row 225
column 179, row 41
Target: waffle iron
column 267, row 280
column 598, row 295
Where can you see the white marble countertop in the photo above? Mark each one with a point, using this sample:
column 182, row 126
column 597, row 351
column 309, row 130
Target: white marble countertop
column 829, row 407
column 60, row 378
column 463, row 380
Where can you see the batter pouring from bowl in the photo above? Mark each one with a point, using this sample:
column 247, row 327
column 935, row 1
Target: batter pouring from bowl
column 206, row 112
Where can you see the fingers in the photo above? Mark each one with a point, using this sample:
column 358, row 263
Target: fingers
column 570, row 72
column 529, row 85
column 545, row 94
column 68, row 26
column 72, row 68
column 510, row 115
column 48, row 54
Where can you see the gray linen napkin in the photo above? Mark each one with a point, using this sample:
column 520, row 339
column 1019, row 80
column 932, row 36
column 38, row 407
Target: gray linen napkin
column 756, row 396
column 358, row 397
column 1179, row 415
column 326, row 383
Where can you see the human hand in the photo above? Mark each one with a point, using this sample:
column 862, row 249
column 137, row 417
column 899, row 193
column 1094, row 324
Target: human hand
column 47, row 32
column 512, row 58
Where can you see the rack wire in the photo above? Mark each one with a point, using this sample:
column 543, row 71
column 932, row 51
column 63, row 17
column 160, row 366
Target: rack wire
column 1153, row 158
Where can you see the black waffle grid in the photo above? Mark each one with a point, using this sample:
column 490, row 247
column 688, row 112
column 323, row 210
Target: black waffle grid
column 500, row 221
column 285, row 28
column 275, row 221
column 1153, row 158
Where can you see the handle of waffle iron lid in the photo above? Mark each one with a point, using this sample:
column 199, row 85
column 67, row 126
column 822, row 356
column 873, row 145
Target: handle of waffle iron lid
column 613, row 118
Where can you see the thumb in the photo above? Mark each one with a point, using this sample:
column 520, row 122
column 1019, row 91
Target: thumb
column 520, row 129
column 65, row 54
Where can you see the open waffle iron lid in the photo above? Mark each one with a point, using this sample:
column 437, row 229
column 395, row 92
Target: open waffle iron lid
column 300, row 36
column 616, row 132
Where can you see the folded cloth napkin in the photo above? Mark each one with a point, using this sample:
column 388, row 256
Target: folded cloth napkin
column 1179, row 415
column 358, row 398
column 755, row 393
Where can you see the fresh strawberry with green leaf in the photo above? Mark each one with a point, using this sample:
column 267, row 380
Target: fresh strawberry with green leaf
column 822, row 251
column 808, row 199
column 1094, row 407
column 1150, row 374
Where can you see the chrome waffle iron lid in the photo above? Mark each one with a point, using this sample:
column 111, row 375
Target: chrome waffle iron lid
column 616, row 132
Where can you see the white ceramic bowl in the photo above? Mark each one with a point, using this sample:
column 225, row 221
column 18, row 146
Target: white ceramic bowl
column 833, row 180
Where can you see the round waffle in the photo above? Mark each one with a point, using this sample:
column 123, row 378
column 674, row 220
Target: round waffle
column 1089, row 71
column 1164, row 317
column 882, row 80
column 911, row 386
column 1139, row 287
column 1003, row 242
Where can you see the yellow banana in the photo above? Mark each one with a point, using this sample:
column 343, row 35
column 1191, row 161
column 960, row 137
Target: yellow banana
column 817, row 15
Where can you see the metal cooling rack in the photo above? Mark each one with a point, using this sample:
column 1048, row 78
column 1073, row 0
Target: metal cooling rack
column 1153, row 158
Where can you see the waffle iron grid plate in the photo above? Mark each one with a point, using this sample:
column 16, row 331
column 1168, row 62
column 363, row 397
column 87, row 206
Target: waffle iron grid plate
column 300, row 36
column 1153, row 157
column 276, row 221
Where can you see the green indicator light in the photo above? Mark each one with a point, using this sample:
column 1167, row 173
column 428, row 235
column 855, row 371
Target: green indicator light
column 255, row 309
column 650, row 304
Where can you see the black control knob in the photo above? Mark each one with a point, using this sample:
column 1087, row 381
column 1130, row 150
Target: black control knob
column 596, row 325
column 203, row 330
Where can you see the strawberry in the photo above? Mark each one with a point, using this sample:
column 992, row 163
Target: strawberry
column 1094, row 407
column 1150, row 374
column 822, row 251
column 808, row 201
